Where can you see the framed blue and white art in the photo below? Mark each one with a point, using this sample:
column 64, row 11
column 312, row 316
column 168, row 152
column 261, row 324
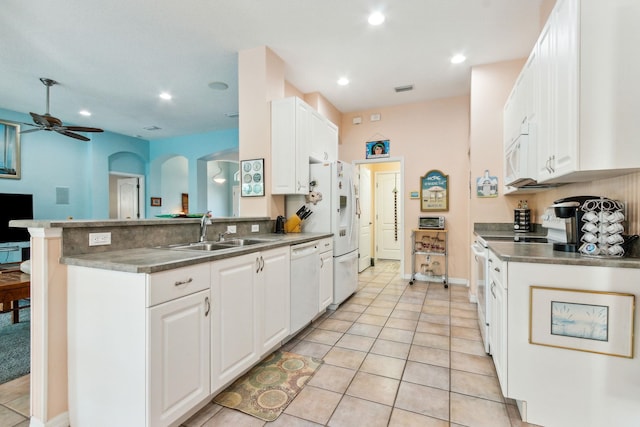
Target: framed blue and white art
column 592, row 321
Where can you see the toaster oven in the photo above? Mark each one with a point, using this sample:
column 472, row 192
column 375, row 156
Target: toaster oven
column 431, row 222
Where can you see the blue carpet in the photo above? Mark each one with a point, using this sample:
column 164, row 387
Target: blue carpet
column 15, row 346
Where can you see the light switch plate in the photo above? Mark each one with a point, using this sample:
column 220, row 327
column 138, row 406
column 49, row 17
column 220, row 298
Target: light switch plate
column 231, row 229
column 255, row 228
column 98, row 239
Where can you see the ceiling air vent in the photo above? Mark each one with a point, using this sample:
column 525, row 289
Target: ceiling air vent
column 406, row 88
column 152, row 128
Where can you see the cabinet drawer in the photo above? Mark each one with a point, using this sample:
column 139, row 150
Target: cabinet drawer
column 171, row 284
column 497, row 269
column 325, row 245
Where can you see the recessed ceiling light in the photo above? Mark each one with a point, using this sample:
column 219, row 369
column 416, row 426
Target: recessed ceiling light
column 376, row 18
column 457, row 59
column 84, row 113
column 343, row 81
column 218, row 86
column 165, row 95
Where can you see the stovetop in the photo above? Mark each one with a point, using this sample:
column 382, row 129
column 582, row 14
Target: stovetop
column 513, row 238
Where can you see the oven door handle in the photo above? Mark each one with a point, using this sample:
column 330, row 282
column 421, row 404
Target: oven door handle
column 479, row 250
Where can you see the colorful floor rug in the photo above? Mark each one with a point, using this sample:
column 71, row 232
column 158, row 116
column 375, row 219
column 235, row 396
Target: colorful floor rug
column 266, row 390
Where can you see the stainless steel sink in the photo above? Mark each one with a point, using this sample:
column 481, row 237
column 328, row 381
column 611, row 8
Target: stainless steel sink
column 200, row 246
column 241, row 242
column 218, row 245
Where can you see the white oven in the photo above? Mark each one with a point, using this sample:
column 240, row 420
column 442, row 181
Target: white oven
column 480, row 257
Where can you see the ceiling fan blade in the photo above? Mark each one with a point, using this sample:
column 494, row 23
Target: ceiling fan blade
column 72, row 135
column 83, row 129
column 31, row 130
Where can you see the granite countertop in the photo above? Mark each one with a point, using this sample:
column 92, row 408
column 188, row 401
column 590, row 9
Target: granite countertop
column 152, row 260
column 543, row 253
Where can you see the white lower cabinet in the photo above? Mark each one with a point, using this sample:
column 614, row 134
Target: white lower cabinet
column 250, row 311
column 498, row 329
column 326, row 273
column 179, row 366
column 138, row 345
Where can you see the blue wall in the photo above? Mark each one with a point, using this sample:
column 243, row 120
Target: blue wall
column 50, row 160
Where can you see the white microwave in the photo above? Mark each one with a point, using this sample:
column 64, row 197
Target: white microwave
column 520, row 163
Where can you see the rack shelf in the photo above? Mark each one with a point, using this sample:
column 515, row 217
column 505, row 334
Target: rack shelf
column 430, row 247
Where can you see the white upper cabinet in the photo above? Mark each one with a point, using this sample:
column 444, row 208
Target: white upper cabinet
column 290, row 143
column 299, row 134
column 583, row 92
column 324, row 139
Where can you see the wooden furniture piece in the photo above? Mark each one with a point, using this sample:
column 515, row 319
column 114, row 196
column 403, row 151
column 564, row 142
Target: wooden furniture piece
column 14, row 286
column 430, row 247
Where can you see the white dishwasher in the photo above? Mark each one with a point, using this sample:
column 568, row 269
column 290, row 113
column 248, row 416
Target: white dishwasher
column 305, row 284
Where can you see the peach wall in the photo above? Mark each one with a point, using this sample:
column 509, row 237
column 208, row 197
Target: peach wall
column 427, row 135
column 490, row 88
column 260, row 80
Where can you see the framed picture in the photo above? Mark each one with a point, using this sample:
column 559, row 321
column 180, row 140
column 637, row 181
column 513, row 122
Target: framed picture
column 377, row 149
column 596, row 322
column 156, row 201
column 10, row 158
column 252, row 177
column 434, row 191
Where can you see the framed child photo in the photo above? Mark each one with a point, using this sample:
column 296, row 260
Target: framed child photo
column 377, row 149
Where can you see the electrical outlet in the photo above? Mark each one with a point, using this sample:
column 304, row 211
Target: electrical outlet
column 231, row 229
column 255, row 228
column 98, row 239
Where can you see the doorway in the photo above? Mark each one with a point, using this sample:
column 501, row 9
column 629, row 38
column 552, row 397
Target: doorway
column 126, row 196
column 381, row 204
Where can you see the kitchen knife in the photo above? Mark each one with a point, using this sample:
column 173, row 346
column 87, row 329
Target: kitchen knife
column 301, row 210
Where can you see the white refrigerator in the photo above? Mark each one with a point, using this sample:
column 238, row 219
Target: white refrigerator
column 335, row 213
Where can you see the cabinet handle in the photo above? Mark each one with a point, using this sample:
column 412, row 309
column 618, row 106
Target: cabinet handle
column 257, row 265
column 490, row 261
column 497, row 269
column 207, row 304
column 183, row 282
column 321, row 263
column 261, row 263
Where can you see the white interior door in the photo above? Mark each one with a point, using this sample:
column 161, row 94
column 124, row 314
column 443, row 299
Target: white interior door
column 128, row 198
column 388, row 215
column 364, row 246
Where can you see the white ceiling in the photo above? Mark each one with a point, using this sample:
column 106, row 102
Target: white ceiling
column 113, row 57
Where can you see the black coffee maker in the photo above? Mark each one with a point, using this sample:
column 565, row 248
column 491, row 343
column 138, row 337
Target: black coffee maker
column 279, row 226
column 569, row 208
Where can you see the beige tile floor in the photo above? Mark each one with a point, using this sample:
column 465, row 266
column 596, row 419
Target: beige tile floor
column 395, row 355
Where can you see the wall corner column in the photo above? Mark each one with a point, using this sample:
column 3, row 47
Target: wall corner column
column 49, row 384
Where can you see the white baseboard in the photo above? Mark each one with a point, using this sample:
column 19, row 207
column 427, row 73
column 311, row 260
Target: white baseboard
column 61, row 420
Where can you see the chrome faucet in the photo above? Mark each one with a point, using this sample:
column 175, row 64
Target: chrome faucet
column 204, row 221
column 221, row 236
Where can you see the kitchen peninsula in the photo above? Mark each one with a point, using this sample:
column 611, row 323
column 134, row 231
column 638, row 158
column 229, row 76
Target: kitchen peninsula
column 559, row 385
column 116, row 292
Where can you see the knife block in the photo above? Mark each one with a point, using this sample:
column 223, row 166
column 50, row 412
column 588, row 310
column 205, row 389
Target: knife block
column 292, row 225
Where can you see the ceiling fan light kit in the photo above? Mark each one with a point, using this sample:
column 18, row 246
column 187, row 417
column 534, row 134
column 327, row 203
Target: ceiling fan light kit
column 50, row 123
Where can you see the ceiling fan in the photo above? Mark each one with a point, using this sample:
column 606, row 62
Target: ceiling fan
column 49, row 123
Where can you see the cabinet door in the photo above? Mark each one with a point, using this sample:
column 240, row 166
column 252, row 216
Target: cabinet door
column 565, row 95
column 326, row 280
column 499, row 333
column 545, row 136
column 179, row 374
column 290, row 142
column 234, row 321
column 274, row 294
column 324, row 138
